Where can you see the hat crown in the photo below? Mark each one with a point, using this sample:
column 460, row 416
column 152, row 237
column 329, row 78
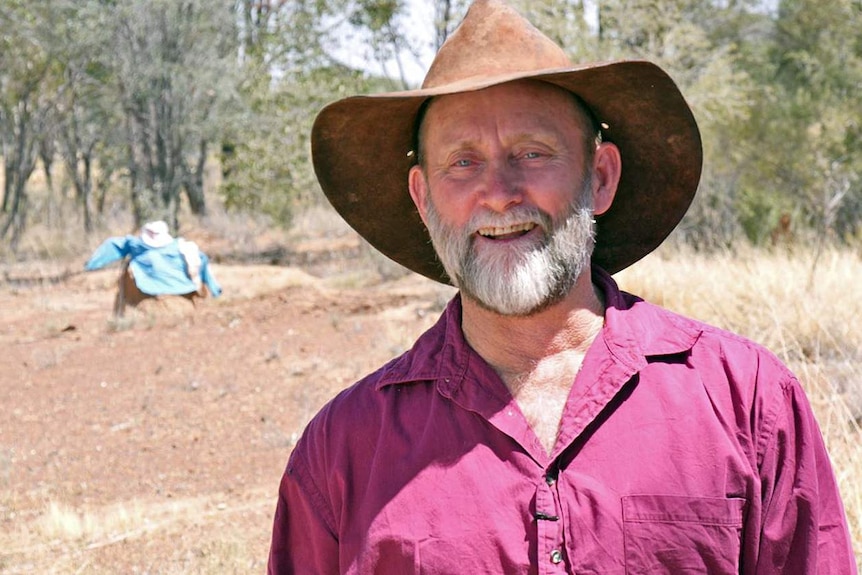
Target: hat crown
column 156, row 234
column 493, row 40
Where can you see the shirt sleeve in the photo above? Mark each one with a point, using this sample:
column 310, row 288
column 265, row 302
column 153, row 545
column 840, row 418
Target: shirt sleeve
column 302, row 540
column 207, row 277
column 109, row 251
column 804, row 527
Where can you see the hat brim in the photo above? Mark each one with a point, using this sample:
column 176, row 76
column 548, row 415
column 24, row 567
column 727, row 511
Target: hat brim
column 360, row 151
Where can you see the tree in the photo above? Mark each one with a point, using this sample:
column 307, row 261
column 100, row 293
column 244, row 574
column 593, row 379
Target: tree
column 291, row 70
column 85, row 107
column 447, row 15
column 697, row 43
column 566, row 23
column 149, row 90
column 26, row 78
column 810, row 126
column 174, row 68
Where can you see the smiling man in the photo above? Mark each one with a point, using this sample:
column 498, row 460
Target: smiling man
column 549, row 422
column 520, row 189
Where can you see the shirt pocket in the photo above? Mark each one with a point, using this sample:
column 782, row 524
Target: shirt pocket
column 669, row 534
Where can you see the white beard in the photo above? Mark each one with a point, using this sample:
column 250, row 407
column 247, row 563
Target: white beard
column 522, row 280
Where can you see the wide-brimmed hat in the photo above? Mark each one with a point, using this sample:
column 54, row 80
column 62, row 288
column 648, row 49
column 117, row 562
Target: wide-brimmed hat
column 362, row 145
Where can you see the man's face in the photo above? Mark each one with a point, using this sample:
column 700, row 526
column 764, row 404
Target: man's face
column 506, row 194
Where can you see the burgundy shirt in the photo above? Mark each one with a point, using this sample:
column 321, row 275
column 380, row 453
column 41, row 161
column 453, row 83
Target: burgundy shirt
column 682, row 449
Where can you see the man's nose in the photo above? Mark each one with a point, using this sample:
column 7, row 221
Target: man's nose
column 502, row 186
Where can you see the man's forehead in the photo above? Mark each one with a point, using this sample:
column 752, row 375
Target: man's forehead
column 523, row 101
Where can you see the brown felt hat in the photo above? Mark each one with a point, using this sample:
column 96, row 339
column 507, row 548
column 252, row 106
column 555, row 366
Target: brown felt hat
column 361, row 146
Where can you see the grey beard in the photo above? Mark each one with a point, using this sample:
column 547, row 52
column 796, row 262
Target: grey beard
column 523, row 281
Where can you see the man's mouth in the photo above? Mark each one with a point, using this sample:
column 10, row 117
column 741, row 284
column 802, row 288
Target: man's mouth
column 506, row 232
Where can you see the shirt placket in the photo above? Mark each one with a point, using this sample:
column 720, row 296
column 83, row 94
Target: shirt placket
column 551, row 544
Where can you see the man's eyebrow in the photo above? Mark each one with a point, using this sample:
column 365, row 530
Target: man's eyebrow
column 454, row 145
column 536, row 136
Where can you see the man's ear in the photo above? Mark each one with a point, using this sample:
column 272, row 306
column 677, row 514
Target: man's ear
column 418, row 190
column 607, row 169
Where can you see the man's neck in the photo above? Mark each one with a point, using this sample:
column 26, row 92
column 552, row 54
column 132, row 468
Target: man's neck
column 514, row 344
column 538, row 356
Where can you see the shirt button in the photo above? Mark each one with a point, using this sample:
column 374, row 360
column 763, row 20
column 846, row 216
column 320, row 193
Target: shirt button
column 556, row 556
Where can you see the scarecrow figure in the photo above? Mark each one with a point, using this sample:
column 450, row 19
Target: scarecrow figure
column 155, row 264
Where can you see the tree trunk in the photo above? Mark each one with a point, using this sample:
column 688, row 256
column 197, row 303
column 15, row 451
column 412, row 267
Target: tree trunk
column 16, row 219
column 46, row 154
column 86, row 192
column 7, row 185
column 134, row 175
column 443, row 23
column 20, row 165
column 194, row 183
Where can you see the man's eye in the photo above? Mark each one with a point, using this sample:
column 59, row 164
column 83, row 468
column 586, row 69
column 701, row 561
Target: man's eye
column 463, row 163
column 531, row 155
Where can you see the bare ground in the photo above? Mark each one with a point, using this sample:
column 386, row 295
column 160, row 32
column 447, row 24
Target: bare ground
column 155, row 443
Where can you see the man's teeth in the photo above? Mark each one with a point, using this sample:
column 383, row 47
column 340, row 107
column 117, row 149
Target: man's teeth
column 496, row 232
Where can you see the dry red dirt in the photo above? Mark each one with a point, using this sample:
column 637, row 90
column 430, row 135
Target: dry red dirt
column 155, row 444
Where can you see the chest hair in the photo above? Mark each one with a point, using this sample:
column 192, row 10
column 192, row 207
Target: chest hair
column 541, row 393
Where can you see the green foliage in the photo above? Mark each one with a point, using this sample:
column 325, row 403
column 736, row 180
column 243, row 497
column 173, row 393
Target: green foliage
column 376, row 15
column 758, row 213
column 175, row 75
column 27, row 82
column 565, row 23
column 269, row 169
column 291, row 76
column 804, row 137
column 775, row 95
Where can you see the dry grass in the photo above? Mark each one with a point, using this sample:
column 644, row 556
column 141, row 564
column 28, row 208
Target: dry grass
column 803, row 308
column 205, row 535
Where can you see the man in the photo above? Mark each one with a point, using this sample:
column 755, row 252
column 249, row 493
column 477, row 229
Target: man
column 548, row 423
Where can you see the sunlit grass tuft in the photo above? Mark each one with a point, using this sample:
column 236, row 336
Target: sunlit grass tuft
column 65, row 523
